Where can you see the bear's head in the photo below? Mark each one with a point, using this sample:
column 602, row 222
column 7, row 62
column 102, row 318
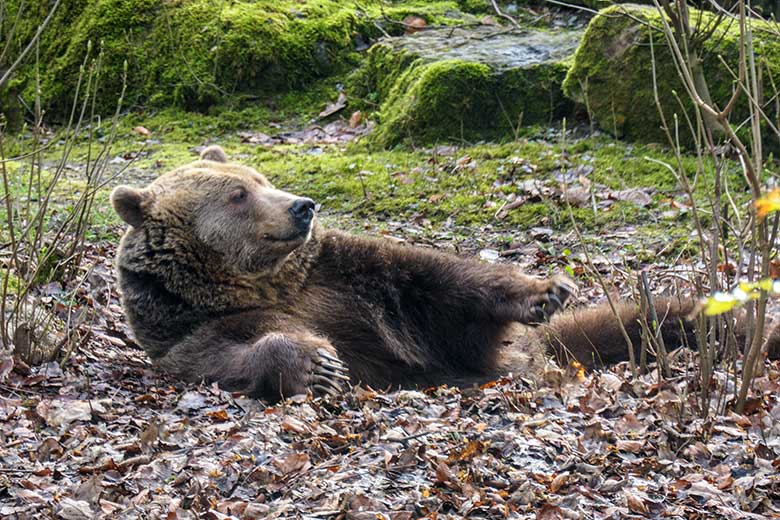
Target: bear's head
column 218, row 210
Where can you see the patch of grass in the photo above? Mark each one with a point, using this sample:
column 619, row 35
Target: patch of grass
column 465, row 188
column 64, row 194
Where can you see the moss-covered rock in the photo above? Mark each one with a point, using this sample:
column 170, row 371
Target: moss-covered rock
column 612, row 72
column 765, row 7
column 196, row 53
column 447, row 85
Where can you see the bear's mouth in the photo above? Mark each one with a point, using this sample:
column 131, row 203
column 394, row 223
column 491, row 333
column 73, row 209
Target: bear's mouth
column 294, row 236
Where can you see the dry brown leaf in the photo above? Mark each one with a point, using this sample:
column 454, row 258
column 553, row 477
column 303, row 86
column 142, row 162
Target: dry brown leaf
column 559, row 481
column 295, row 425
column 549, row 512
column 725, row 482
column 218, row 415
column 471, row 449
column 292, row 463
column 774, row 269
column 413, row 24
column 355, row 119
column 630, row 446
column 634, row 503
column 445, row 476
column 332, row 108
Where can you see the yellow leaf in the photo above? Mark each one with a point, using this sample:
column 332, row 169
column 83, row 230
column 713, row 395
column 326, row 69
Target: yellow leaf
column 218, row 415
column 579, row 368
column 768, row 203
column 719, row 303
column 472, row 449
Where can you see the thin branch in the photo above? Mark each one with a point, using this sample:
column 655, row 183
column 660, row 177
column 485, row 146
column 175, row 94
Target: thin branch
column 30, row 44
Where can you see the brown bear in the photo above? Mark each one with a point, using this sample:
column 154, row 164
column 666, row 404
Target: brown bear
column 225, row 278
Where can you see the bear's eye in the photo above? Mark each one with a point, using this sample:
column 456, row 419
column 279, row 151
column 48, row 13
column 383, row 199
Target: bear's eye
column 238, row 196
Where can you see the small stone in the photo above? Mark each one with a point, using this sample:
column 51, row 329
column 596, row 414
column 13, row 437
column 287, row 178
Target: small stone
column 489, row 255
column 541, row 233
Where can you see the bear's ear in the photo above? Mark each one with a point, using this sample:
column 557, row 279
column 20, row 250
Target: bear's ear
column 128, row 203
column 214, row 153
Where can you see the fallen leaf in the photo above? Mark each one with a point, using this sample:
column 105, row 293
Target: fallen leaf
column 295, row 425
column 74, row 510
column 256, row 138
column 292, row 463
column 140, row 130
column 218, row 415
column 62, row 412
column 355, row 119
column 630, row 446
column 332, row 108
column 576, row 196
column 634, row 503
column 639, row 196
column 413, row 24
column 559, row 481
column 471, row 449
column 774, row 268
column 549, row 512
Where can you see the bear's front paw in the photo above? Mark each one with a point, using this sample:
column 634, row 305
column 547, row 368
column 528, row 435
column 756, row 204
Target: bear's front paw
column 550, row 298
column 328, row 374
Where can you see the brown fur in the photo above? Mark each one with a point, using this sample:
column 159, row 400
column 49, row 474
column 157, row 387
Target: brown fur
column 214, row 153
column 593, row 337
column 221, row 281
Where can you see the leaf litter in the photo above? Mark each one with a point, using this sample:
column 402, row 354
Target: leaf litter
column 108, row 437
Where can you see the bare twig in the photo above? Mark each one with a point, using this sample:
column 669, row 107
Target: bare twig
column 19, row 59
column 503, row 15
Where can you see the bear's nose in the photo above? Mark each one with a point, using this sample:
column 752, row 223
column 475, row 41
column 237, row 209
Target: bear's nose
column 302, row 211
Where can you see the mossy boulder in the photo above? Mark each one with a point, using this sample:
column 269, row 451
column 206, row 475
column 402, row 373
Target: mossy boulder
column 612, row 74
column 465, row 84
column 765, row 7
column 198, row 53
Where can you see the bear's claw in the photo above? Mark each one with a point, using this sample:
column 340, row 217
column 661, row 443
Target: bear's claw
column 330, row 375
column 550, row 301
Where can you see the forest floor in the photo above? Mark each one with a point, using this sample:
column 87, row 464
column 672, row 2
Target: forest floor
column 104, row 435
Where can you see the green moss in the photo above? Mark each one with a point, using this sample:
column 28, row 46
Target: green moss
column 476, row 6
column 437, row 101
column 403, row 185
column 425, row 97
column 378, row 73
column 198, row 53
column 612, row 73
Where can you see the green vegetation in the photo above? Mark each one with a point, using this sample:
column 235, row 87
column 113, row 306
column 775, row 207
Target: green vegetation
column 435, row 88
column 456, row 100
column 464, row 187
column 612, row 73
column 198, row 53
column 261, row 66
